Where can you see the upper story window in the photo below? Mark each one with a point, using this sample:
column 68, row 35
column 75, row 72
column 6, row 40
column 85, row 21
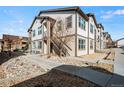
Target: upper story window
column 98, row 39
column 39, row 30
column 59, row 25
column 81, row 44
column 69, row 22
column 82, row 23
column 34, row 33
column 101, row 34
column 91, row 28
column 91, row 44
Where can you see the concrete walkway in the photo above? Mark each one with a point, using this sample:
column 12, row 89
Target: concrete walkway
column 119, row 61
column 99, row 78
column 45, row 64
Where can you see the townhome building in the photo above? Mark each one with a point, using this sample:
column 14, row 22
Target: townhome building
column 107, row 40
column 91, row 33
column 120, row 42
column 1, row 45
column 12, row 42
column 63, row 31
column 99, row 37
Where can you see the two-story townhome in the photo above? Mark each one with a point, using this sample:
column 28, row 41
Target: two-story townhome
column 107, row 40
column 92, row 33
column 99, row 37
column 0, row 45
column 68, row 30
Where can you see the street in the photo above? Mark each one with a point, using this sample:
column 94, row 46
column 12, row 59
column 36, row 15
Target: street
column 119, row 61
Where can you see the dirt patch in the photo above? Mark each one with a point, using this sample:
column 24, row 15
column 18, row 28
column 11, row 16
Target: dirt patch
column 55, row 78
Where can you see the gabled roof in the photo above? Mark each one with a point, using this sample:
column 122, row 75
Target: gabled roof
column 13, row 37
column 75, row 8
column 94, row 18
column 120, row 39
column 41, row 18
column 100, row 26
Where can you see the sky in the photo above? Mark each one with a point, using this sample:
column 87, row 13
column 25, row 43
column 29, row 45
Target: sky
column 17, row 19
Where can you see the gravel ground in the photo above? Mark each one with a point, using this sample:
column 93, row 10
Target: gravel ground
column 2, row 73
column 19, row 72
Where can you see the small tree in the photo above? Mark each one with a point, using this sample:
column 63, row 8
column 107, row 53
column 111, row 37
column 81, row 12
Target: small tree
column 61, row 34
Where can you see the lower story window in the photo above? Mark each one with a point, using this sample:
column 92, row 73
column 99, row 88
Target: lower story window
column 81, row 44
column 91, row 44
column 39, row 44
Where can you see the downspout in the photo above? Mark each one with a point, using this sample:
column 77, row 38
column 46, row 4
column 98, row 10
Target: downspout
column 95, row 40
column 30, row 41
column 76, row 34
column 48, row 40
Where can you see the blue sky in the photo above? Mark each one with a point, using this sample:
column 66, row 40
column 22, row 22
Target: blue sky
column 16, row 20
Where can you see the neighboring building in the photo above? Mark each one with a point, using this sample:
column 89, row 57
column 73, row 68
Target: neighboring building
column 107, row 40
column 1, row 45
column 99, row 37
column 12, row 42
column 92, row 33
column 44, row 31
column 120, row 42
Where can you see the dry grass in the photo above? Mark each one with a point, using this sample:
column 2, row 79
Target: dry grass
column 92, row 56
column 105, row 68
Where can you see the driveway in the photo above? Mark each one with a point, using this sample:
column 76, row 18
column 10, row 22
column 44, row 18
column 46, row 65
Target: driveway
column 119, row 61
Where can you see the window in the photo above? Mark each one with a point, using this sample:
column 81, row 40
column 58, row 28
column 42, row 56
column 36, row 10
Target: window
column 33, row 33
column 59, row 25
column 82, row 23
column 34, row 44
column 39, row 44
column 91, row 44
column 98, row 39
column 69, row 22
column 39, row 30
column 91, row 28
column 81, row 44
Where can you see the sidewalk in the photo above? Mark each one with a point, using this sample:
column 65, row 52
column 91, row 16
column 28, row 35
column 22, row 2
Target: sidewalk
column 119, row 61
column 99, row 78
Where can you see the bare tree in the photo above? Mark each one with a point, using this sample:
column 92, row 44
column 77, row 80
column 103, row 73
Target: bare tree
column 61, row 35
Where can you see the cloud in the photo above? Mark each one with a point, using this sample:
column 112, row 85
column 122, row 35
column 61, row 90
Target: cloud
column 20, row 21
column 106, row 16
column 110, row 14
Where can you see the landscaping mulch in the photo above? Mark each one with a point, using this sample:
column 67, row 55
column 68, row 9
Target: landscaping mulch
column 55, row 78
